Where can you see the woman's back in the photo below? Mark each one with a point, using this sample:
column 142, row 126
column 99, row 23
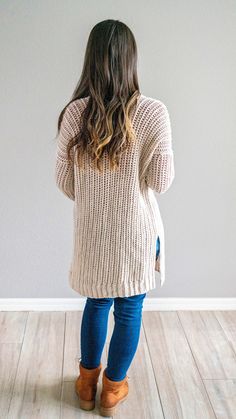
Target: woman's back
column 116, row 215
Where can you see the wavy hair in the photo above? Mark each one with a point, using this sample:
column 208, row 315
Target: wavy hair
column 109, row 78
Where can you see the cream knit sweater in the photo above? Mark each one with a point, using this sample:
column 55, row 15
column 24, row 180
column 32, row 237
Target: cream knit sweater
column 116, row 214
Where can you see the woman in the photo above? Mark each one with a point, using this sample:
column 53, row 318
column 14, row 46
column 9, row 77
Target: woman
column 114, row 150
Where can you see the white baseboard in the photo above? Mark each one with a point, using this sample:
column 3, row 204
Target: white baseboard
column 150, row 304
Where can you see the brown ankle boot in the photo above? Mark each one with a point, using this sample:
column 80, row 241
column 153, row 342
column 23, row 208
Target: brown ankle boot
column 86, row 386
column 113, row 392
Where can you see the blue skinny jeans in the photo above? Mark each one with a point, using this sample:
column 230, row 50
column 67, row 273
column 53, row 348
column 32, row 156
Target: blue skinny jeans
column 124, row 340
column 125, row 337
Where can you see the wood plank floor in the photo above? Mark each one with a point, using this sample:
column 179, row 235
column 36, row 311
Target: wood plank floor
column 184, row 367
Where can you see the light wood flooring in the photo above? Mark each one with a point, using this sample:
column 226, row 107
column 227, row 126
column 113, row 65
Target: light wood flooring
column 184, row 367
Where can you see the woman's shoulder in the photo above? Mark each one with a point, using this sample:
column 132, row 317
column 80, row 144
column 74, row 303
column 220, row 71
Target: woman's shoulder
column 71, row 120
column 76, row 105
column 151, row 113
column 74, row 109
column 152, row 104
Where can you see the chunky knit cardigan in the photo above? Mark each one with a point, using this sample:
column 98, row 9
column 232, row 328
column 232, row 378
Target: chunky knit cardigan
column 116, row 214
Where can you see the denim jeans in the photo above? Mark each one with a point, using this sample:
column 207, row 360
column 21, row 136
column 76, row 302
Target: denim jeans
column 157, row 247
column 124, row 340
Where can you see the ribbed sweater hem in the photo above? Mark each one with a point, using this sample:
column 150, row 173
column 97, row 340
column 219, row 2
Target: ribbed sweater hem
column 109, row 290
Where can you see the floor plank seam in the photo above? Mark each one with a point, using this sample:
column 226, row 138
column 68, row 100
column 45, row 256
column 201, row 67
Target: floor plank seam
column 158, row 391
column 225, row 334
column 62, row 368
column 22, row 343
column 195, row 362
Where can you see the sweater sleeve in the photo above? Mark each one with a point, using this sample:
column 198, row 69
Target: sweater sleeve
column 64, row 169
column 160, row 171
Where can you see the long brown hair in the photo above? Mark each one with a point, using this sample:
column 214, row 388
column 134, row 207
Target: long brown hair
column 109, row 78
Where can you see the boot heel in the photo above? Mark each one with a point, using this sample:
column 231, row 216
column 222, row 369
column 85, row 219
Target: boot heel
column 86, row 404
column 86, row 386
column 107, row 411
column 110, row 411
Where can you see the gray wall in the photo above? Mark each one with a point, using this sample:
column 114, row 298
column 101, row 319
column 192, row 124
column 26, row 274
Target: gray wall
column 187, row 60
